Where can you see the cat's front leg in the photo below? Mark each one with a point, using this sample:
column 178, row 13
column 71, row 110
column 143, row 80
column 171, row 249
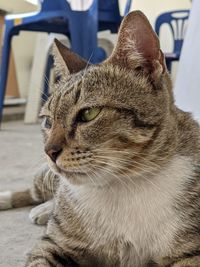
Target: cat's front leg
column 48, row 254
column 41, row 213
column 188, row 262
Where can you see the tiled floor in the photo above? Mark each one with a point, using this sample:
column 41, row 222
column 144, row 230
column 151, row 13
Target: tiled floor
column 21, row 153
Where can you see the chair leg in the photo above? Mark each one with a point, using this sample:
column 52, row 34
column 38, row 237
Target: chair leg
column 83, row 29
column 4, row 68
column 37, row 79
column 169, row 64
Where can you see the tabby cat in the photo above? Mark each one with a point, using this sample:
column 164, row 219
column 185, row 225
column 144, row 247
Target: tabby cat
column 124, row 162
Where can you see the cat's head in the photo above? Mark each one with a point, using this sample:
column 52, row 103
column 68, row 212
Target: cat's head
column 103, row 121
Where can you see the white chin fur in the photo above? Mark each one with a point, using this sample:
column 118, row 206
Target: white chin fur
column 5, row 200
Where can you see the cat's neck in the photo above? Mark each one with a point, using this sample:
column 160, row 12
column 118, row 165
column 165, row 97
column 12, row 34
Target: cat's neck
column 164, row 181
column 134, row 211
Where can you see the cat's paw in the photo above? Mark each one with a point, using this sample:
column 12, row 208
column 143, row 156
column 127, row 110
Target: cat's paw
column 40, row 214
column 5, row 200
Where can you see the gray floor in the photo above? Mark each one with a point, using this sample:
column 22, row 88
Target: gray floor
column 21, row 153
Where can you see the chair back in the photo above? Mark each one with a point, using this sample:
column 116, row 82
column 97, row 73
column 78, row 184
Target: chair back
column 109, row 14
column 53, row 5
column 108, row 11
column 177, row 21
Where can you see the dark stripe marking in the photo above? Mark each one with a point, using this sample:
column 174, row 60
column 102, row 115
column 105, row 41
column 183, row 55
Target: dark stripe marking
column 58, row 223
column 65, row 262
column 137, row 122
column 78, row 93
column 48, row 239
column 49, row 103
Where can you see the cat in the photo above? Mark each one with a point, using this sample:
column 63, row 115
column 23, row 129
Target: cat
column 122, row 183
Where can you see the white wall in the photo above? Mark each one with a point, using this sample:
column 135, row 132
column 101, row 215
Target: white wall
column 187, row 87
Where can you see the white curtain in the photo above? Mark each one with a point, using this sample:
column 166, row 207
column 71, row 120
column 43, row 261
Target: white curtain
column 187, row 86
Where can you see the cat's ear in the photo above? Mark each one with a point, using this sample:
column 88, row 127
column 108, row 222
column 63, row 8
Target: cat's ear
column 66, row 61
column 138, row 46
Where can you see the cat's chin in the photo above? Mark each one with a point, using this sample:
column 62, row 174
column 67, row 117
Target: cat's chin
column 72, row 173
column 61, row 170
column 74, row 177
column 68, row 172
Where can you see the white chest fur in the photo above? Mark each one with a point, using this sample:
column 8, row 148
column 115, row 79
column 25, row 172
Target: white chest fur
column 141, row 213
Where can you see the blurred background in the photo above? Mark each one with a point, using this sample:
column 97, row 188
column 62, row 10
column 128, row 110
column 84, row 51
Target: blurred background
column 28, row 45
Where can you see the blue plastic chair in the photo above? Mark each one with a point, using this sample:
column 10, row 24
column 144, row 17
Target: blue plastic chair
column 57, row 17
column 177, row 21
column 108, row 18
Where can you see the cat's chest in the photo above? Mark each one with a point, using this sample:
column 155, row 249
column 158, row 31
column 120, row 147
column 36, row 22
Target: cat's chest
column 141, row 216
column 144, row 219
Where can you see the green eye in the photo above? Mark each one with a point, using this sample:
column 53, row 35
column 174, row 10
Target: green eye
column 89, row 114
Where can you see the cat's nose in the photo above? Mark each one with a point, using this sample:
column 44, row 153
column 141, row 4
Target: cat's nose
column 53, row 152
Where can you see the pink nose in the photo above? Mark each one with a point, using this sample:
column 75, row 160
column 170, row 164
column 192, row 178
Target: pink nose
column 53, row 152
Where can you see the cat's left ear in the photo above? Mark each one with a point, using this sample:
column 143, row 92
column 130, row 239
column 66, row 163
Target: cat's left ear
column 65, row 61
column 138, row 46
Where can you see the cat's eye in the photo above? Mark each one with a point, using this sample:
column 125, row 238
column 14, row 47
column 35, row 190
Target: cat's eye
column 89, row 114
column 47, row 123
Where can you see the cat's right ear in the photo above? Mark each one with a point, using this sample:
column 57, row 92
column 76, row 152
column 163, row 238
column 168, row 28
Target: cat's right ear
column 65, row 61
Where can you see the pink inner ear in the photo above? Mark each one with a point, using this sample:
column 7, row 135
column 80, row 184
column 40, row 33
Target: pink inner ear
column 146, row 40
column 137, row 42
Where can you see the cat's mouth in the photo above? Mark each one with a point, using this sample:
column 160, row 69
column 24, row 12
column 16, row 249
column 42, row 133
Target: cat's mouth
column 58, row 167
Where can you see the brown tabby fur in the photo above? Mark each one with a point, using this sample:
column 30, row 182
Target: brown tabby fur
column 126, row 184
